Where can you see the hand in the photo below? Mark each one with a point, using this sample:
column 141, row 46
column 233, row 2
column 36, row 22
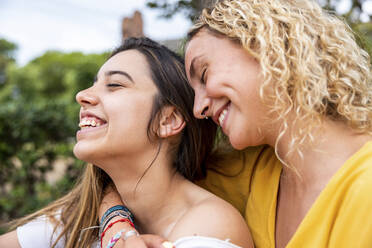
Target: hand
column 112, row 198
column 141, row 241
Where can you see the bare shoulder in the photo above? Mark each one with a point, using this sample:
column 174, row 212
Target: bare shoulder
column 213, row 217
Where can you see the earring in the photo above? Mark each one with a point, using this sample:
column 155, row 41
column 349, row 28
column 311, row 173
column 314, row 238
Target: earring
column 206, row 117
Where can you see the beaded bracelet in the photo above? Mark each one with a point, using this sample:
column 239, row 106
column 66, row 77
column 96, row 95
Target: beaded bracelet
column 115, row 208
column 111, row 224
column 109, row 217
column 116, row 213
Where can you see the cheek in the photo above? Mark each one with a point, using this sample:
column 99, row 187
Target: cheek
column 249, row 97
column 131, row 120
column 216, row 85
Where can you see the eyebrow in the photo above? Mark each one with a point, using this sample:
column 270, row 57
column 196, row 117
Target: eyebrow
column 110, row 73
column 192, row 66
column 123, row 73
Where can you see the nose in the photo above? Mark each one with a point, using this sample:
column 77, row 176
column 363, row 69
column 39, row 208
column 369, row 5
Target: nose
column 86, row 97
column 201, row 104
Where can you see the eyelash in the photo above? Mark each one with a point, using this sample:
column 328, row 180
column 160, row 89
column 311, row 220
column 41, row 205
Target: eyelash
column 114, row 85
column 202, row 79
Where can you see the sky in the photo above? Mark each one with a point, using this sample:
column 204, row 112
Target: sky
column 77, row 25
column 85, row 25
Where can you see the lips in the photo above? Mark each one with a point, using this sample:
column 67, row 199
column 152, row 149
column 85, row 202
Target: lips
column 90, row 120
column 220, row 116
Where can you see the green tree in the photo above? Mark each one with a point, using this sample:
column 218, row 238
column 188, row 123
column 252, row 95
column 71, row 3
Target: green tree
column 32, row 138
column 190, row 8
column 7, row 52
column 38, row 122
column 357, row 18
column 54, row 75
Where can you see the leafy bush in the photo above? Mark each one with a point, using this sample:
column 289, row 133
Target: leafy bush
column 38, row 122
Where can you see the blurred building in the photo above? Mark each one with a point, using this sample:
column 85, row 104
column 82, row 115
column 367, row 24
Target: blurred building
column 133, row 27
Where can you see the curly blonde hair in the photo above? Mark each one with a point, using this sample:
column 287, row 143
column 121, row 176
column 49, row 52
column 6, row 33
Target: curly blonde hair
column 310, row 62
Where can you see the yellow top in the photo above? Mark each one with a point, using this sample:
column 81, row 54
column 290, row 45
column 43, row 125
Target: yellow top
column 341, row 216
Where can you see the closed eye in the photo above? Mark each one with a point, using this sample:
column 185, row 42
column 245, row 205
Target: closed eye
column 202, row 79
column 114, row 85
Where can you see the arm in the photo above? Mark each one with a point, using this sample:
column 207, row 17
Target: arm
column 35, row 233
column 10, row 240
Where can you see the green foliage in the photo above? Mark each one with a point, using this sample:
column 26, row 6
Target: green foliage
column 54, row 75
column 38, row 122
column 190, row 8
column 32, row 138
column 361, row 26
column 7, row 50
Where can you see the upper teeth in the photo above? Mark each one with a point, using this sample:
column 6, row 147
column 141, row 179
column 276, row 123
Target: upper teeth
column 86, row 122
column 222, row 116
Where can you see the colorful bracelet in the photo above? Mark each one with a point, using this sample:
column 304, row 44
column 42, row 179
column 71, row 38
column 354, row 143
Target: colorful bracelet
column 111, row 224
column 109, row 217
column 114, row 239
column 115, row 208
column 117, row 236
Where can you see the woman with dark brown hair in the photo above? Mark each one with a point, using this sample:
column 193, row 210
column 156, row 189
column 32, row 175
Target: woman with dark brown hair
column 138, row 136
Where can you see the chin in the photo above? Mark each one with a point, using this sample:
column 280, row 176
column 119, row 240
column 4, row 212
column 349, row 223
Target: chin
column 241, row 142
column 82, row 154
column 238, row 145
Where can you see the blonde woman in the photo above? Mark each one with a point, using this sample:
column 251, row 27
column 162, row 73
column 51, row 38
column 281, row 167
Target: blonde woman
column 138, row 131
column 286, row 81
column 289, row 77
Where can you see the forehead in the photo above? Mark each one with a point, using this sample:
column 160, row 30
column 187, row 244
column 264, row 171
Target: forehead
column 199, row 44
column 196, row 48
column 131, row 61
column 208, row 45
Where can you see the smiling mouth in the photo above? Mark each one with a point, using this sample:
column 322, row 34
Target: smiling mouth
column 223, row 114
column 90, row 122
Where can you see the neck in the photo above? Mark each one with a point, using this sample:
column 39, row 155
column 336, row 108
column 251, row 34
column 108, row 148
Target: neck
column 150, row 188
column 334, row 143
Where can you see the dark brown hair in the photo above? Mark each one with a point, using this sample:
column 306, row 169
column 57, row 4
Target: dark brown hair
column 168, row 74
column 79, row 208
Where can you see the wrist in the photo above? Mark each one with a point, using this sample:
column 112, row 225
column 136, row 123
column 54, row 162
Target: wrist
column 118, row 210
column 110, row 198
column 112, row 218
column 115, row 225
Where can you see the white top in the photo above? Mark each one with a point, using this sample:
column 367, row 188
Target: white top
column 203, row 242
column 38, row 233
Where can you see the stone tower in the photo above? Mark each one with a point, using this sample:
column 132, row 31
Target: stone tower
column 132, row 26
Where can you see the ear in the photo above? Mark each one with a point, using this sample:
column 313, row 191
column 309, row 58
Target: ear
column 171, row 122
